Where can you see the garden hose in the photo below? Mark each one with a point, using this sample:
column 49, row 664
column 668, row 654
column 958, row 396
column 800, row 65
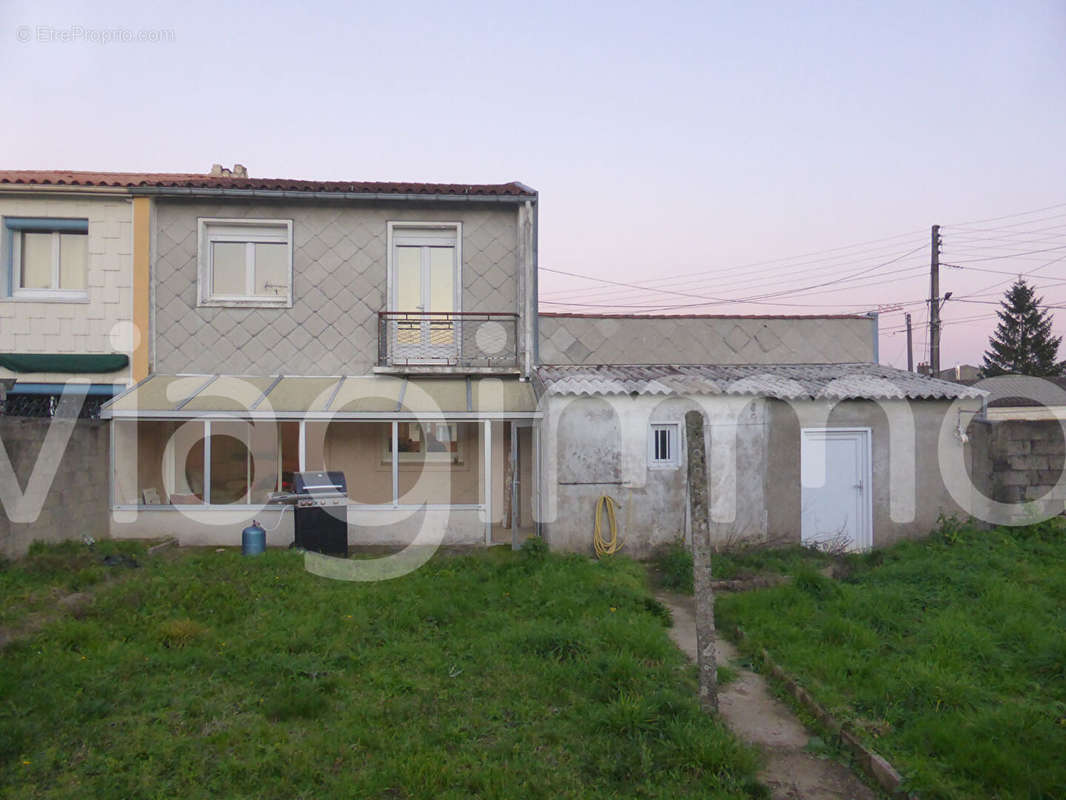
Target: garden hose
column 606, row 547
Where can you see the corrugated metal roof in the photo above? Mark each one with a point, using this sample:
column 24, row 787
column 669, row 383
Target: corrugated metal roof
column 782, row 381
column 189, row 180
column 1019, row 391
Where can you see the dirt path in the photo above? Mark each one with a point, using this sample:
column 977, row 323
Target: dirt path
column 756, row 716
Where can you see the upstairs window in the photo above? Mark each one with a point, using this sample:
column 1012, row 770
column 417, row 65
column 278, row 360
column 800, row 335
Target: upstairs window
column 49, row 258
column 245, row 262
column 662, row 445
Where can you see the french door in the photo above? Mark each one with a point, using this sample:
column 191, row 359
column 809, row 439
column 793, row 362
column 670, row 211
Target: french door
column 425, row 296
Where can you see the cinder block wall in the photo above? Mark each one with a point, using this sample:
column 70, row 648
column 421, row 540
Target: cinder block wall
column 1018, row 460
column 77, row 500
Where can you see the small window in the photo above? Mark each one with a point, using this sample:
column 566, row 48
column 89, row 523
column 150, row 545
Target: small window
column 662, row 445
column 426, row 442
column 49, row 258
column 245, row 262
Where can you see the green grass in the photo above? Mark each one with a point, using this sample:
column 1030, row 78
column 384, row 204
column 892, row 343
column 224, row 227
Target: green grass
column 672, row 564
column 490, row 675
column 49, row 571
column 948, row 655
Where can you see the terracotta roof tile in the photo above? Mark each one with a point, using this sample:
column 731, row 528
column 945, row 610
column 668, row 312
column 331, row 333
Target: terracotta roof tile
column 189, row 180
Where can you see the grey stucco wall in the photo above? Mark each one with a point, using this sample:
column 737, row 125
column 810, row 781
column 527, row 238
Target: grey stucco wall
column 579, row 339
column 339, row 286
column 596, row 446
column 931, row 497
column 77, row 500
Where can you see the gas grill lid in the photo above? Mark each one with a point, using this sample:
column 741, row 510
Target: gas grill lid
column 319, row 483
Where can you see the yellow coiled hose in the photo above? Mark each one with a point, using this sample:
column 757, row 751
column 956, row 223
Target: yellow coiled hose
column 605, row 547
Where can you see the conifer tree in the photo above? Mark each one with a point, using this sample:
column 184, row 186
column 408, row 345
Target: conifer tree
column 1022, row 343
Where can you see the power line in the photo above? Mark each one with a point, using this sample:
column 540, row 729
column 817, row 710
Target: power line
column 650, row 285
column 1016, row 255
column 650, row 307
column 1009, row 216
column 756, row 298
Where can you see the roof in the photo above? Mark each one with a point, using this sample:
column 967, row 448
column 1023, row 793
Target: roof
column 782, row 381
column 190, row 180
column 1018, row 391
column 327, row 397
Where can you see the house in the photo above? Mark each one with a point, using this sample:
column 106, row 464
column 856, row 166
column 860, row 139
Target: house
column 390, row 331
column 384, row 330
column 73, row 307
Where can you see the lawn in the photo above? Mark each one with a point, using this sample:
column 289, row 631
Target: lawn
column 51, row 571
column 948, row 655
column 206, row 674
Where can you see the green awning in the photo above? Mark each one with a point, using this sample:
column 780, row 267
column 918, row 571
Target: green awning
column 64, row 362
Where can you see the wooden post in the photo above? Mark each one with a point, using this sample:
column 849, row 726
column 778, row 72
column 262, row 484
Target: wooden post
column 701, row 560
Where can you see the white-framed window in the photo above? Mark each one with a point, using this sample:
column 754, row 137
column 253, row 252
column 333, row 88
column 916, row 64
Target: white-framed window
column 663, row 444
column 429, row 442
column 245, row 262
column 49, row 258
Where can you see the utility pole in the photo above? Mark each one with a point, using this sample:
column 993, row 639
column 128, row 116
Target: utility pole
column 910, row 345
column 934, row 303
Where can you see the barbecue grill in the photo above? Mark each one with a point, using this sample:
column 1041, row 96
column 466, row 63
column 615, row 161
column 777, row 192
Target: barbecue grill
column 321, row 513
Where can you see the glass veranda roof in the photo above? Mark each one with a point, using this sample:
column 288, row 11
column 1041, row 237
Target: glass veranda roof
column 329, row 397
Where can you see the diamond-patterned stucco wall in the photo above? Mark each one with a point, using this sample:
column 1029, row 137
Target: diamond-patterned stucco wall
column 339, row 273
column 705, row 340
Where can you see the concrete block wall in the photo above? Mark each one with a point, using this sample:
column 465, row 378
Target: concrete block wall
column 593, row 339
column 77, row 500
column 75, row 327
column 1016, row 461
column 340, row 279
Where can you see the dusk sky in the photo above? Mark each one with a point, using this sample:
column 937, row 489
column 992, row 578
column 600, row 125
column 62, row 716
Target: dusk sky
column 793, row 155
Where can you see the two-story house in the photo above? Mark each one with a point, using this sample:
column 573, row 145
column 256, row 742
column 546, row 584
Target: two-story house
column 383, row 330
column 72, row 307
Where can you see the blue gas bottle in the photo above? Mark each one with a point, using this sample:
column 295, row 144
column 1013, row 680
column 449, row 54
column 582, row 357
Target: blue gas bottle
column 253, row 540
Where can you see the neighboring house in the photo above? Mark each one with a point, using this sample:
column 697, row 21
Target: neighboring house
column 68, row 291
column 390, row 331
column 961, row 373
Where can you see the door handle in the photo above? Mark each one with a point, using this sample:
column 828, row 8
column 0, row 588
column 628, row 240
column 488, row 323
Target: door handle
column 859, row 485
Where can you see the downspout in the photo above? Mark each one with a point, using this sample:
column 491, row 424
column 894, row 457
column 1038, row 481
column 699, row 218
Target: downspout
column 536, row 282
column 529, row 249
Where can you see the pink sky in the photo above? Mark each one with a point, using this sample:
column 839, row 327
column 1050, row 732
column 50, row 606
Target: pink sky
column 718, row 141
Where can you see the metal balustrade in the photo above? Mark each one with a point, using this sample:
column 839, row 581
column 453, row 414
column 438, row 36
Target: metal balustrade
column 463, row 339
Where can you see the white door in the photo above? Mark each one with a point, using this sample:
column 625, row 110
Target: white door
column 424, row 287
column 835, row 488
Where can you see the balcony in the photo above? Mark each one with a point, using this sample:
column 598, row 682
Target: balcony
column 445, row 341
